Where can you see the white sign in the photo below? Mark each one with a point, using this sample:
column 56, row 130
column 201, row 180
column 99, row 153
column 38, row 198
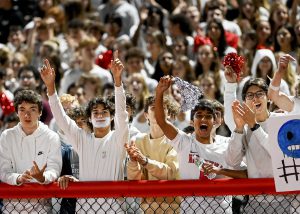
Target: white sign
column 284, row 140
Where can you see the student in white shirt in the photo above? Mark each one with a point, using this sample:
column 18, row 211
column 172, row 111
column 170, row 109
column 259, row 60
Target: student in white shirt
column 196, row 148
column 250, row 138
column 29, row 152
column 101, row 153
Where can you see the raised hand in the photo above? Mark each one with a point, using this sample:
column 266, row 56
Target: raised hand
column 243, row 114
column 24, row 178
column 63, row 181
column 163, row 84
column 250, row 114
column 117, row 68
column 37, row 173
column 237, row 116
column 48, row 76
column 230, row 75
column 284, row 62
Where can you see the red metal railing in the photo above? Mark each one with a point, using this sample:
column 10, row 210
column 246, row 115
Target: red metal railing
column 144, row 189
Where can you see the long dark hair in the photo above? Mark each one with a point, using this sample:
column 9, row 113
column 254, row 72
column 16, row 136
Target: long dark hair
column 222, row 40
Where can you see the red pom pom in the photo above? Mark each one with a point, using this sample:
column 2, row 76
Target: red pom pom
column 104, row 59
column 235, row 61
column 6, row 105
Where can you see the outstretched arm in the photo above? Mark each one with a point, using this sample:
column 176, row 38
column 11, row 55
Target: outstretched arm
column 279, row 98
column 63, row 121
column 169, row 130
column 121, row 115
column 229, row 96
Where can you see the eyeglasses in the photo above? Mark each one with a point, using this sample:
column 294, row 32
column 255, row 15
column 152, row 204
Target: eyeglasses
column 258, row 94
column 203, row 116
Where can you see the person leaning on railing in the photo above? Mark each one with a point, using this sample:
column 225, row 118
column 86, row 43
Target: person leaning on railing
column 101, row 153
column 29, row 152
column 200, row 155
column 250, row 138
column 152, row 158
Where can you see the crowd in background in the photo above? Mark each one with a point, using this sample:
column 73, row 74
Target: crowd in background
column 154, row 39
column 187, row 39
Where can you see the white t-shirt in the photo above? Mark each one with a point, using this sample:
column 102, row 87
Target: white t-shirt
column 189, row 149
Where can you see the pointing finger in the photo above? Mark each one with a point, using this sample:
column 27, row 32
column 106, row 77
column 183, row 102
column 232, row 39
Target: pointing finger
column 35, row 165
column 290, row 58
column 44, row 167
column 47, row 64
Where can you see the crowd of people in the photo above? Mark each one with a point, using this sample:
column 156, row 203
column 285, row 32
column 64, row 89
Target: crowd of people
column 88, row 92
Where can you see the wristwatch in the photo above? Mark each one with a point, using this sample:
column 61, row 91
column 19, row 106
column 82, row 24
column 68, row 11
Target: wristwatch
column 256, row 126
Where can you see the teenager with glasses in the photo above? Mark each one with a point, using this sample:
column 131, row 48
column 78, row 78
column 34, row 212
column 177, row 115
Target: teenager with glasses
column 248, row 120
column 197, row 149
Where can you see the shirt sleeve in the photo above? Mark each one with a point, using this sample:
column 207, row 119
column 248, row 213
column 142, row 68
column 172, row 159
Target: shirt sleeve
column 64, row 122
column 229, row 97
column 164, row 171
column 54, row 161
column 134, row 170
column 263, row 138
column 6, row 168
column 121, row 116
column 235, row 150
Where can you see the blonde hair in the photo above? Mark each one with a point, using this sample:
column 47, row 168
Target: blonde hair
column 145, row 93
column 68, row 98
column 20, row 56
column 87, row 41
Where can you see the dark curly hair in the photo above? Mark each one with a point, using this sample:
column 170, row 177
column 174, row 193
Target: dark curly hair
column 100, row 101
column 130, row 102
column 77, row 112
column 28, row 96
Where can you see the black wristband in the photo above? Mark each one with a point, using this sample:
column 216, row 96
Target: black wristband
column 256, row 126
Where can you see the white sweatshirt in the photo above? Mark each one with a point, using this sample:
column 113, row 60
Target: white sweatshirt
column 17, row 153
column 253, row 145
column 100, row 159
